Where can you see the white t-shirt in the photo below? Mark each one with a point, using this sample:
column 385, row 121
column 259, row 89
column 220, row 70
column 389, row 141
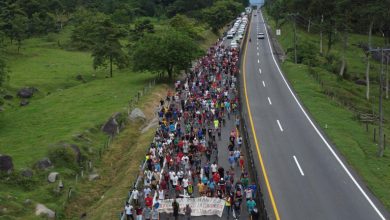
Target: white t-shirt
column 175, row 180
column 161, row 194
column 185, row 182
column 147, row 191
column 214, row 168
column 128, row 210
column 135, row 194
column 180, row 174
column 171, row 174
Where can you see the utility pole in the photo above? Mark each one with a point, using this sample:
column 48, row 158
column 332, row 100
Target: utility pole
column 387, row 76
column 295, row 38
column 381, row 147
column 322, row 21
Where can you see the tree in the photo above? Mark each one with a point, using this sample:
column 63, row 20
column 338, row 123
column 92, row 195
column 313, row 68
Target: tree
column 167, row 51
column 107, row 47
column 187, row 25
column 221, row 13
column 141, row 26
column 3, row 65
column 85, row 21
column 19, row 28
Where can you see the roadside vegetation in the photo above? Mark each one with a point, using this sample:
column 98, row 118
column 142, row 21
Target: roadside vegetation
column 66, row 67
column 338, row 82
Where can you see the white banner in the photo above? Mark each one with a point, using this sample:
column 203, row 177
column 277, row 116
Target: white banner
column 200, row 206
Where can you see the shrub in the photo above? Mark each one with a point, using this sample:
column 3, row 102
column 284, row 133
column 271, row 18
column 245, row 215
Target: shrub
column 15, row 178
column 306, row 54
column 63, row 156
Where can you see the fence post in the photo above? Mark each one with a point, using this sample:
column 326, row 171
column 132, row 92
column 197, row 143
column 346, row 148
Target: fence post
column 69, row 192
column 374, row 134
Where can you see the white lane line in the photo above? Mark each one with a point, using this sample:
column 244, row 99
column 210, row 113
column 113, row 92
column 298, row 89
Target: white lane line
column 280, row 126
column 258, row 61
column 257, row 48
column 269, row 101
column 319, row 133
column 299, row 166
column 263, row 83
column 258, row 54
column 260, row 70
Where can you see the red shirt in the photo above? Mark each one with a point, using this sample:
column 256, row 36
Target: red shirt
column 149, row 201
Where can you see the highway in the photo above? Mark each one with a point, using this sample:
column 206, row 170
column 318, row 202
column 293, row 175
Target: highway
column 305, row 177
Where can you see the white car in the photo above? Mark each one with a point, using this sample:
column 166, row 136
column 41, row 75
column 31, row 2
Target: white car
column 229, row 36
column 260, row 36
column 234, row 44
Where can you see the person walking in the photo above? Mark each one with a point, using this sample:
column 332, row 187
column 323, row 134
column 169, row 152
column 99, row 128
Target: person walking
column 155, row 214
column 138, row 212
column 175, row 206
column 251, row 204
column 187, row 212
column 228, row 205
column 129, row 211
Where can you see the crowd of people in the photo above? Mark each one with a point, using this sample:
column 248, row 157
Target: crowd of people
column 184, row 156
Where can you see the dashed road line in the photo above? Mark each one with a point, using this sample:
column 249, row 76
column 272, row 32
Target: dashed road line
column 299, row 166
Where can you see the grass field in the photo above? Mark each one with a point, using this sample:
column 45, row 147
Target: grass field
column 64, row 106
column 337, row 115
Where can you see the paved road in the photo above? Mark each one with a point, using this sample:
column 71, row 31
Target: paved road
column 308, row 179
column 222, row 160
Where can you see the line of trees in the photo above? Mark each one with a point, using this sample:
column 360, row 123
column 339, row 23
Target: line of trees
column 335, row 20
column 114, row 31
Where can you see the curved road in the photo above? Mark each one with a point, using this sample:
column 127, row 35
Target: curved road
column 306, row 177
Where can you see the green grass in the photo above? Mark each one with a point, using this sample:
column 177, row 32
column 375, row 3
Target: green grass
column 60, row 115
column 348, row 134
column 63, row 106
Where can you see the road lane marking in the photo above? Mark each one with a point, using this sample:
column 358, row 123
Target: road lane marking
column 264, row 171
column 280, row 126
column 269, row 100
column 263, row 83
column 260, row 70
column 258, row 54
column 258, row 61
column 319, row 133
column 257, row 48
column 299, row 166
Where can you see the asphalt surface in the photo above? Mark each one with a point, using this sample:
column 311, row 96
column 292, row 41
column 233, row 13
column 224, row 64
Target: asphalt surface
column 222, row 160
column 307, row 176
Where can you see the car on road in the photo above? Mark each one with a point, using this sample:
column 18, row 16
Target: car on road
column 260, row 36
column 229, row 36
column 233, row 44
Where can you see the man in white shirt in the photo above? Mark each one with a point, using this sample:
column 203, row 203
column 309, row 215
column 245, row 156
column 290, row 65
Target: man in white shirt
column 185, row 183
column 248, row 194
column 171, row 175
column 161, row 194
column 147, row 191
column 175, row 181
column 129, row 211
column 135, row 194
column 214, row 168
